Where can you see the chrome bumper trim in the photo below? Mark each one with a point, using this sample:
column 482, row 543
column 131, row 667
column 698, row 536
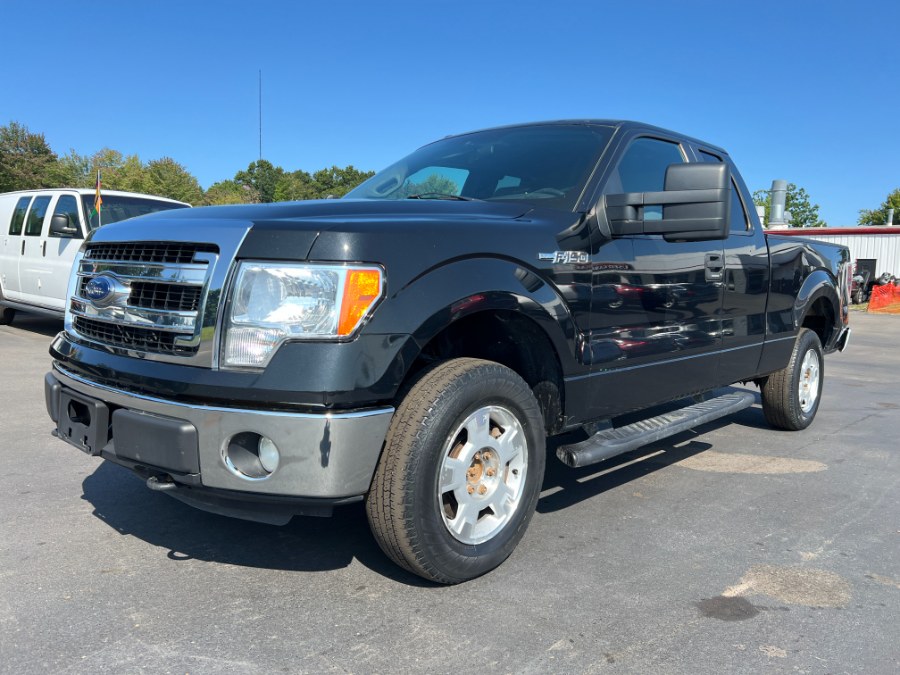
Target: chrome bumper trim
column 328, row 455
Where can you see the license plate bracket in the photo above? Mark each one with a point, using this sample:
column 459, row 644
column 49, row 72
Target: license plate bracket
column 83, row 421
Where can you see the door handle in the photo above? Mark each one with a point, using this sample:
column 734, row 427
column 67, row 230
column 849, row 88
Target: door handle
column 44, row 249
column 23, row 247
column 715, row 267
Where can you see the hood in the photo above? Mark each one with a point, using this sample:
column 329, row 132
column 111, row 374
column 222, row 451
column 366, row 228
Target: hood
column 325, row 211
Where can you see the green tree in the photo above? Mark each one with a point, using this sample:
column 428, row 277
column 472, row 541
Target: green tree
column 336, row 182
column 261, row 177
column 167, row 178
column 879, row 216
column 295, row 185
column 26, row 161
column 74, row 170
column 803, row 212
column 228, row 192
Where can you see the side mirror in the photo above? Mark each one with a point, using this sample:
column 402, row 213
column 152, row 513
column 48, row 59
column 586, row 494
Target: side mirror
column 696, row 205
column 61, row 226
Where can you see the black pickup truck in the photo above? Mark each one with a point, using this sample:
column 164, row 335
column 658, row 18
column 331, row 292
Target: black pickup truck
column 414, row 344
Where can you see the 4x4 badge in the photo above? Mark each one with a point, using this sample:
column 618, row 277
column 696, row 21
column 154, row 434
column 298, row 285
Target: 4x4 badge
column 565, row 257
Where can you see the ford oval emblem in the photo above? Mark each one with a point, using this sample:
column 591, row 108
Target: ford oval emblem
column 100, row 290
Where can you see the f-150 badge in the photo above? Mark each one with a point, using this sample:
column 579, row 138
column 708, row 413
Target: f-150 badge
column 565, row 257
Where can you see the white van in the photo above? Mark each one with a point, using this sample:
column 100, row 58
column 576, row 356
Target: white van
column 40, row 233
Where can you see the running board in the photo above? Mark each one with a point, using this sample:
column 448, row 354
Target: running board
column 611, row 442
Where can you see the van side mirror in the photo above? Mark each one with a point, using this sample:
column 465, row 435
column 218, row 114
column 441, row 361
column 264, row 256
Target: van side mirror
column 696, row 205
column 61, row 226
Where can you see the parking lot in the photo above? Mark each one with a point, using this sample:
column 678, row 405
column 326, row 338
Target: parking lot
column 731, row 548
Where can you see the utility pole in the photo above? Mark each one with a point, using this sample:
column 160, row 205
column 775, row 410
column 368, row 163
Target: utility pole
column 260, row 114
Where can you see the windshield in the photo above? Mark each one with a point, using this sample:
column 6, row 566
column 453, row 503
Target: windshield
column 115, row 208
column 544, row 164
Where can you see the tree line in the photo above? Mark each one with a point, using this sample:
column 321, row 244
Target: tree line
column 27, row 162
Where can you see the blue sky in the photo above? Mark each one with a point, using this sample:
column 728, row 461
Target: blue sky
column 804, row 91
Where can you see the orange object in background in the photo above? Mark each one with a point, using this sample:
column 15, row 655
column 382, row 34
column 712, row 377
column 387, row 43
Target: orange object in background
column 885, row 299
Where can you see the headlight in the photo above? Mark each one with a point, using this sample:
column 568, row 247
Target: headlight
column 275, row 302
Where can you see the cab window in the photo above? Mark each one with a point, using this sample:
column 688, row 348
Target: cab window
column 35, row 219
column 18, row 216
column 739, row 220
column 643, row 169
column 67, row 205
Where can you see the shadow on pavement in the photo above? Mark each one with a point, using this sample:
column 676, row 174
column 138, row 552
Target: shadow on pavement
column 37, row 323
column 307, row 544
column 121, row 500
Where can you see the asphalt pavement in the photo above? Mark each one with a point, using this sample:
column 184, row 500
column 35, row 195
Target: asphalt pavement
column 731, row 548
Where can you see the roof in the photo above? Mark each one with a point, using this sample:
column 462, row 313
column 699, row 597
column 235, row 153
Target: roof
column 836, row 231
column 622, row 125
column 91, row 191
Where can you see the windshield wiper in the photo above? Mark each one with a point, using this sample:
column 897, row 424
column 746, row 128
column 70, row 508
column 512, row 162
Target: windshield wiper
column 442, row 195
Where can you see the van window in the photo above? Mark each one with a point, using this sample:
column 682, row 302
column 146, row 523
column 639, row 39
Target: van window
column 67, row 205
column 18, row 216
column 36, row 215
column 116, row 208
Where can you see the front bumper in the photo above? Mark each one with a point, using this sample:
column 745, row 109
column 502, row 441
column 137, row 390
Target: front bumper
column 328, row 456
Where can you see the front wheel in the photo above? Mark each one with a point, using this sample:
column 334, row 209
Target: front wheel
column 461, row 471
column 790, row 397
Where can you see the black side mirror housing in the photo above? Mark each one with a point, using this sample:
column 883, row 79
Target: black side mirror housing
column 61, row 226
column 696, row 205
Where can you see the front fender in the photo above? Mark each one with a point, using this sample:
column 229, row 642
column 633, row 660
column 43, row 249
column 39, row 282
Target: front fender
column 429, row 303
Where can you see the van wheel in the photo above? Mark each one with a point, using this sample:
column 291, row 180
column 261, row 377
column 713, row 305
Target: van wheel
column 790, row 397
column 461, row 471
column 6, row 313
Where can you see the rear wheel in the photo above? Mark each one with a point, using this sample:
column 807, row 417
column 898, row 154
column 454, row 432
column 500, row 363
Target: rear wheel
column 461, row 472
column 790, row 397
column 6, row 313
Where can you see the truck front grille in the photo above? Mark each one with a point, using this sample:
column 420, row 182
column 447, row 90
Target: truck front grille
column 128, row 337
column 149, row 252
column 157, row 296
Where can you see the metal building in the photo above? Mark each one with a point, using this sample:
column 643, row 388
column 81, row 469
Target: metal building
column 878, row 244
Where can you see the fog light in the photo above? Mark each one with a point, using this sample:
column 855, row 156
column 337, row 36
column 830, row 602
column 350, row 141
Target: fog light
column 250, row 455
column 268, row 454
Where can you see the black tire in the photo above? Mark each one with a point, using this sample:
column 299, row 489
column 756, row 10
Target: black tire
column 859, row 296
column 412, row 504
column 6, row 313
column 784, row 404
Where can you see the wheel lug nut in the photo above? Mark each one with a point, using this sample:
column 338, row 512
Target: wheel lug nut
column 491, row 472
column 482, row 489
column 486, row 456
column 470, row 489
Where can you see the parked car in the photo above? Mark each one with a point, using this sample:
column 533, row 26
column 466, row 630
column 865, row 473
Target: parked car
column 414, row 344
column 40, row 233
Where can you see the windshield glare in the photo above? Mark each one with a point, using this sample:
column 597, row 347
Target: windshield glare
column 545, row 164
column 115, row 208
